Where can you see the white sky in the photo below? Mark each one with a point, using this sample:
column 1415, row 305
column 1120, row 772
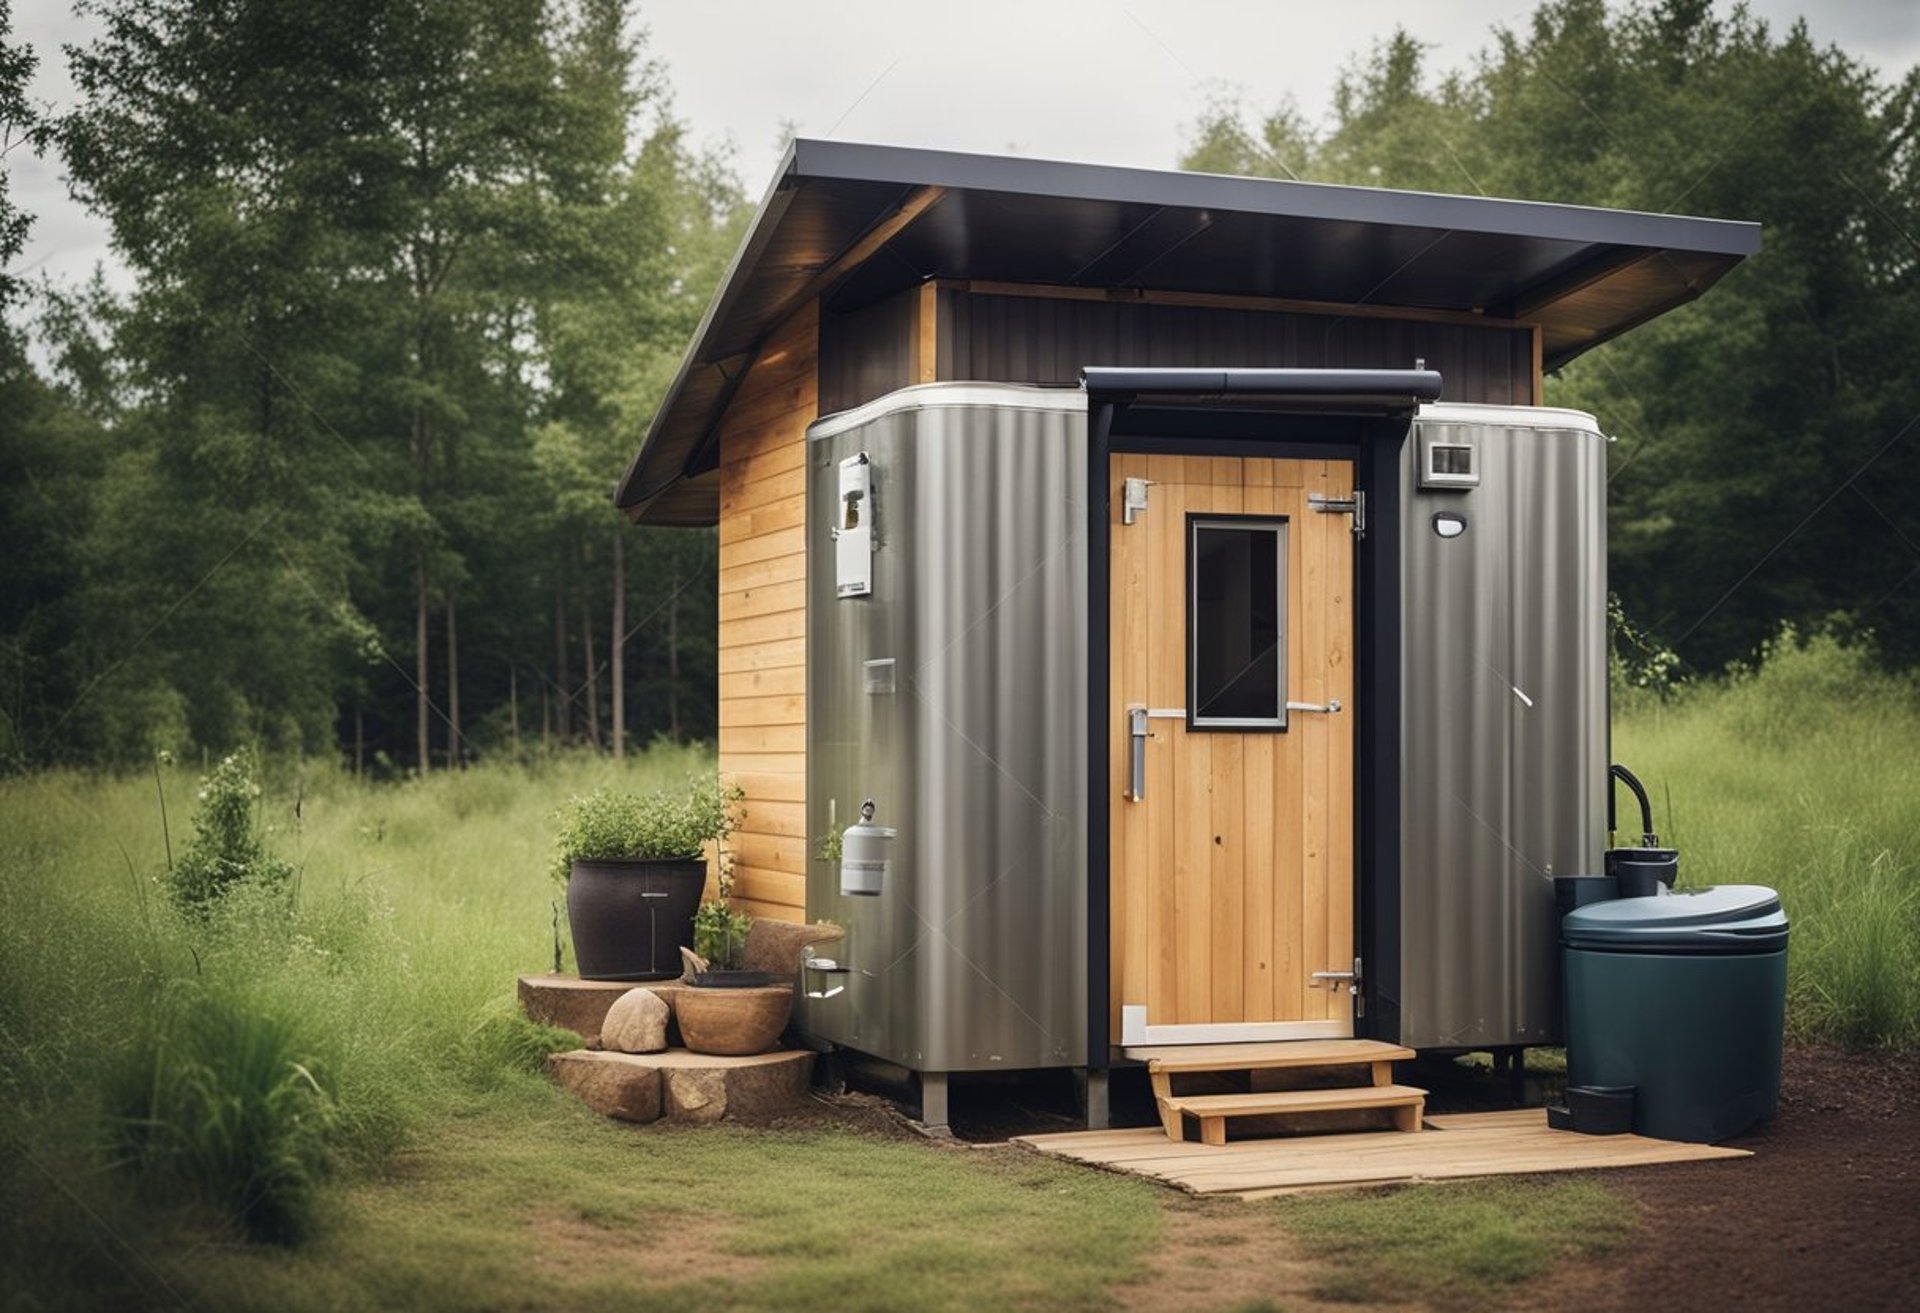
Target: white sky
column 1063, row 79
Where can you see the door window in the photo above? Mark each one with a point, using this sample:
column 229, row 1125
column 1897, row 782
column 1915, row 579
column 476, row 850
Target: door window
column 1236, row 622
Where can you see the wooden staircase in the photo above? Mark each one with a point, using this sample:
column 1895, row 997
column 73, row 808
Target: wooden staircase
column 1407, row 1103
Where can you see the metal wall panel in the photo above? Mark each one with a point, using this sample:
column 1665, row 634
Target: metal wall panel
column 975, row 955
column 1043, row 339
column 1504, row 723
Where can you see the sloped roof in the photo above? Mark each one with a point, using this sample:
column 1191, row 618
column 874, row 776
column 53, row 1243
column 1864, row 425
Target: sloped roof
column 861, row 221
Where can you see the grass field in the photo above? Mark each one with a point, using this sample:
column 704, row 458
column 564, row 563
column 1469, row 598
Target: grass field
column 1804, row 776
column 344, row 1072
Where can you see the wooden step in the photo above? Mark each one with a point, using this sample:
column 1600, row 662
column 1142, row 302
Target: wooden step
column 1407, row 1102
column 1266, row 1057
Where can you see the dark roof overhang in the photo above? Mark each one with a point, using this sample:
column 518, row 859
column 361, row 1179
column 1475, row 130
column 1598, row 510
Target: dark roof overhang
column 853, row 223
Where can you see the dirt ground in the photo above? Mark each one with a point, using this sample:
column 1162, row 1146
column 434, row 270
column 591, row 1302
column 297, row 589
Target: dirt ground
column 1825, row 1215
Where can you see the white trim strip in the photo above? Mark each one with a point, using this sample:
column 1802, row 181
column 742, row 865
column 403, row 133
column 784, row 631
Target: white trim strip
column 928, row 396
column 1136, row 1033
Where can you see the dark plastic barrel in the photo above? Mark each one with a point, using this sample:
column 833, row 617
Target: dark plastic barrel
column 1682, row 997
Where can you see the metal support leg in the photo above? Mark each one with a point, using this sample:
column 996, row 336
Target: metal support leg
column 933, row 1099
column 1092, row 1088
column 1517, row 1077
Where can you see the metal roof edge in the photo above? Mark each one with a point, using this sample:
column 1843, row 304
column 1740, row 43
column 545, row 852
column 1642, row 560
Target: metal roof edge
column 759, row 232
column 906, row 165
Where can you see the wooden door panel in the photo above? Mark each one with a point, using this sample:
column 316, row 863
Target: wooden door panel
column 1232, row 881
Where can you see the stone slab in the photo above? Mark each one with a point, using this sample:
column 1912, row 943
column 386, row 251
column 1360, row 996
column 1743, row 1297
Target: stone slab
column 581, row 1005
column 687, row 1087
column 628, row 1091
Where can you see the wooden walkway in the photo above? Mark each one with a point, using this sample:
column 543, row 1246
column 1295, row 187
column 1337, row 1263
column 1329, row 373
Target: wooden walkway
column 1462, row 1144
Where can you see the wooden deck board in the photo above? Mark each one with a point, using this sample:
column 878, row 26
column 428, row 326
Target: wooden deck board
column 1461, row 1145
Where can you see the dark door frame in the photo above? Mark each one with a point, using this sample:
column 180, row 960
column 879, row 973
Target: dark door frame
column 1127, row 420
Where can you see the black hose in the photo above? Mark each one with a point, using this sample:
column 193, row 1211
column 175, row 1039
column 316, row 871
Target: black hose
column 1618, row 772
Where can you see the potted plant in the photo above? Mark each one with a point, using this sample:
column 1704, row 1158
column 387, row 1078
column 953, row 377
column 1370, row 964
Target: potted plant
column 635, row 868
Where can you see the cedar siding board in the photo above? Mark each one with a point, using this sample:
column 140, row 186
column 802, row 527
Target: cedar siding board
column 762, row 637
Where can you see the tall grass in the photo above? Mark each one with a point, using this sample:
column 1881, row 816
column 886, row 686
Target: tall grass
column 1803, row 774
column 223, row 1061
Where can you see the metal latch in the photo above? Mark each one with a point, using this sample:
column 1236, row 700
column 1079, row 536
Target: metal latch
column 1133, row 499
column 1356, row 506
column 1352, row 977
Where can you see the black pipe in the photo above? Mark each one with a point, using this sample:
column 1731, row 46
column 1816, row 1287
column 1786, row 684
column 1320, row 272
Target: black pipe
column 1618, row 772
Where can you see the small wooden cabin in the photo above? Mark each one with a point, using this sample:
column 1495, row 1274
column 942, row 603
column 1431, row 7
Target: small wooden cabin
column 871, row 269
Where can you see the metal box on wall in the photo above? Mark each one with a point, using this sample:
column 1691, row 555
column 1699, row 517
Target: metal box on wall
column 953, row 694
column 1504, row 745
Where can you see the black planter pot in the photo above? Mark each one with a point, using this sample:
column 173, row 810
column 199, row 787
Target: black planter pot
column 630, row 917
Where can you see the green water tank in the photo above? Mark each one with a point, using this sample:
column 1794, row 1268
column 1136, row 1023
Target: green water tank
column 1683, row 997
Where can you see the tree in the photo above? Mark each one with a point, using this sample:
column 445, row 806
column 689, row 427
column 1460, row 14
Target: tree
column 1767, row 470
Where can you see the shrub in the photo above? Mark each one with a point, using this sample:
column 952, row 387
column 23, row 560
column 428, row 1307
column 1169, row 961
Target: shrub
column 217, row 1104
column 228, row 846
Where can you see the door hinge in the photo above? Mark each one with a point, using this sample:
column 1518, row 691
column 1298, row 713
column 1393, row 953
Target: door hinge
column 1356, row 506
column 1133, row 499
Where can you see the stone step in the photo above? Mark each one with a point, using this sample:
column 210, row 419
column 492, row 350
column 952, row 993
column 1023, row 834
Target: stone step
column 685, row 1087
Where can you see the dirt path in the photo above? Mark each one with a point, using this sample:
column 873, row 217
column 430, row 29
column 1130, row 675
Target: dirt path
column 1825, row 1215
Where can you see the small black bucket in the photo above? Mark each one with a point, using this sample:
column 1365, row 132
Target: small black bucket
column 1640, row 871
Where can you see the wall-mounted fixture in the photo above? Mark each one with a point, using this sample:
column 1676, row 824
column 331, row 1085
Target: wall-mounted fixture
column 1448, row 459
column 1449, row 525
column 865, row 850
column 853, row 535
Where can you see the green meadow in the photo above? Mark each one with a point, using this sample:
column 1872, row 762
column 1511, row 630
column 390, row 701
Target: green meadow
column 320, row 1094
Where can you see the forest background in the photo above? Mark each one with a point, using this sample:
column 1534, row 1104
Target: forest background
column 409, row 279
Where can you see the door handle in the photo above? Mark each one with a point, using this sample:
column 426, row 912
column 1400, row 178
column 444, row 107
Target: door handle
column 1137, row 753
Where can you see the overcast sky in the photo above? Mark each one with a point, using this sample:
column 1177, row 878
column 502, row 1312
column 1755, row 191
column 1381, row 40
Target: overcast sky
column 1061, row 79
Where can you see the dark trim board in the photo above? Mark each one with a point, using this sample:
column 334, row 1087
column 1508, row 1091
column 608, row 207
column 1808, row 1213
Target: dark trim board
column 1373, row 444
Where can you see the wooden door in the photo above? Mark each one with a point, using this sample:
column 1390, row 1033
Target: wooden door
column 1232, row 870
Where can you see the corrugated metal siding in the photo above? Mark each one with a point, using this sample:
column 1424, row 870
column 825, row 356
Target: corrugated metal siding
column 1043, row 339
column 867, row 353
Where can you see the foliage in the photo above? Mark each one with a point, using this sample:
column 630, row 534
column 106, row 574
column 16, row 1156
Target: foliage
column 1766, row 468
column 18, row 126
column 411, row 278
column 1454, row 1242
column 608, row 824
column 218, row 1104
column 390, row 981
column 229, row 845
column 1799, row 773
column 719, row 932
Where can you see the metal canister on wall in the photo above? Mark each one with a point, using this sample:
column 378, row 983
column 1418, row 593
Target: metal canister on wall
column 865, row 850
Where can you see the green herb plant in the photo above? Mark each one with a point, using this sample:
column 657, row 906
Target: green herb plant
column 609, row 824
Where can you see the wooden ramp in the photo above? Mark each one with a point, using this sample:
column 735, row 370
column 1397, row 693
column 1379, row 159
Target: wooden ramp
column 1462, row 1144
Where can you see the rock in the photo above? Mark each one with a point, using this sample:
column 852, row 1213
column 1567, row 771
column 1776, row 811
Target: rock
column 694, row 1094
column 636, row 1023
column 612, row 1084
column 778, row 946
column 733, row 1021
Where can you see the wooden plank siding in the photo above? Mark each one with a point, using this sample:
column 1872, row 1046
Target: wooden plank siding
column 763, row 618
